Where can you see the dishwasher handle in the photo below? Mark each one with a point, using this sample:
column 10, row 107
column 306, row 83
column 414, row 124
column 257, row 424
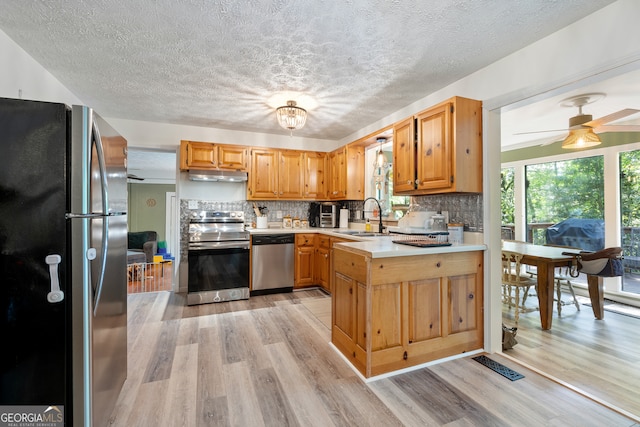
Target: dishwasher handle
column 272, row 239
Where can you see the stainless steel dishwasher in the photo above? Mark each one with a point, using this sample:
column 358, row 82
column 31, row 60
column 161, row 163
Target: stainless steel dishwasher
column 272, row 263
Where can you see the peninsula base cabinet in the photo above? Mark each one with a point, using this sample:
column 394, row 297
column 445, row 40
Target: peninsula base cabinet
column 394, row 313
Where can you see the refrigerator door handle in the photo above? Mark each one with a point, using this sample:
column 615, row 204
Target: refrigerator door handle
column 89, row 215
column 56, row 295
column 105, row 211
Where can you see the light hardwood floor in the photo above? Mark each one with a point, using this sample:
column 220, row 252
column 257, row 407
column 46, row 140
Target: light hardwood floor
column 267, row 361
column 600, row 357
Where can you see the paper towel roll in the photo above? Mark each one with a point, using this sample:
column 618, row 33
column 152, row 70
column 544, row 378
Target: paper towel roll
column 344, row 218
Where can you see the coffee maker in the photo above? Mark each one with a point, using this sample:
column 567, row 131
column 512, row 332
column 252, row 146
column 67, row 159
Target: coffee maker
column 324, row 214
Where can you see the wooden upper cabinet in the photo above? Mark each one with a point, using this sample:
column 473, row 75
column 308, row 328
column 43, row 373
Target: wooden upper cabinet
column 346, row 169
column 315, row 175
column 263, row 177
column 233, row 157
column 290, row 174
column 276, row 174
column 198, row 155
column 338, row 173
column 206, row 156
column 404, row 155
column 433, row 151
column 355, row 172
column 447, row 154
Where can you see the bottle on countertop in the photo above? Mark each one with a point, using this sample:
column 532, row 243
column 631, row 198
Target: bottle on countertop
column 367, row 226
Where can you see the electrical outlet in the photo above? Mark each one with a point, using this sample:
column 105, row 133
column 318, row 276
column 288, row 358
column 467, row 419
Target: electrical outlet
column 279, row 214
column 193, row 204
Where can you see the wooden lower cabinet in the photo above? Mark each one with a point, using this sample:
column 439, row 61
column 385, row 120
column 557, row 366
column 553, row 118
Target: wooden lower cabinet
column 393, row 313
column 322, row 269
column 313, row 260
column 305, row 252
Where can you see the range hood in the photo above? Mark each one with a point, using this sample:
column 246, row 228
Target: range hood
column 219, row 176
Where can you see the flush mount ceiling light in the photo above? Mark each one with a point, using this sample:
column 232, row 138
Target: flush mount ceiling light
column 581, row 138
column 291, row 116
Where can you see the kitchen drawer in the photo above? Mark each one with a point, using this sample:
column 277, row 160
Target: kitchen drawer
column 324, row 241
column 304, row 239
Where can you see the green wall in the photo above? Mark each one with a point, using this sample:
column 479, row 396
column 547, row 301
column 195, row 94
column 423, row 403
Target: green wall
column 608, row 140
column 147, row 207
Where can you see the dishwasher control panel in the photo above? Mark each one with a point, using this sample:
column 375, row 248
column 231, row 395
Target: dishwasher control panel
column 272, row 239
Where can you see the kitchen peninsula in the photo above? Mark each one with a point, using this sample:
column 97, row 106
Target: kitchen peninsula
column 397, row 306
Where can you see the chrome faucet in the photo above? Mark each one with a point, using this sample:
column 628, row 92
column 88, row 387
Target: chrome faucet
column 380, row 227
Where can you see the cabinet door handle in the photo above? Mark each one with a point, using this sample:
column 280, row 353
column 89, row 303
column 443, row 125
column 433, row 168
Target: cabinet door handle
column 408, row 181
column 405, row 355
column 417, row 182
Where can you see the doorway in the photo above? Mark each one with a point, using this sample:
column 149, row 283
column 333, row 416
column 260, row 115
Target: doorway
column 152, row 207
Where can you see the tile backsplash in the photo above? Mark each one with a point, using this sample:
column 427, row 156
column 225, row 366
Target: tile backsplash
column 464, row 208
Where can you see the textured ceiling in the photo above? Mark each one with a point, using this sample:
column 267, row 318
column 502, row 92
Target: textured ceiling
column 229, row 64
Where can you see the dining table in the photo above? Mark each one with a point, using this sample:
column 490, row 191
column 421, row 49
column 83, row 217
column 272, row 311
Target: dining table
column 546, row 259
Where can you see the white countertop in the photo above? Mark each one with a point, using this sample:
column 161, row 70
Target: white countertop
column 330, row 231
column 383, row 247
column 375, row 247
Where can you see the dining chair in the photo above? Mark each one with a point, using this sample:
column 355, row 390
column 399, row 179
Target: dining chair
column 514, row 279
column 563, row 282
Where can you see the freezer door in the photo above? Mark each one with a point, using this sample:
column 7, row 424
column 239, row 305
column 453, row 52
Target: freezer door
column 99, row 236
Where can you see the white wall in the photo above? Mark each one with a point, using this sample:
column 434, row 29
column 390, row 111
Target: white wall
column 163, row 135
column 22, row 77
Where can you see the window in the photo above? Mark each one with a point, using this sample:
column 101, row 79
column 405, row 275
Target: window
column 556, row 191
column 381, row 182
column 630, row 219
column 507, row 203
column 576, row 184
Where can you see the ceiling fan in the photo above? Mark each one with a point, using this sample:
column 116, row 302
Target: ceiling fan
column 582, row 127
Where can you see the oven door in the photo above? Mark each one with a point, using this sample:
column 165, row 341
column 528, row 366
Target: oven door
column 218, row 274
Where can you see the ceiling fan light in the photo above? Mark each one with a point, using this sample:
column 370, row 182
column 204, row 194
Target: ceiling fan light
column 581, row 138
column 290, row 116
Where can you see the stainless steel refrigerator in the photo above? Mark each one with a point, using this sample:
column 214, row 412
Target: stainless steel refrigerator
column 63, row 285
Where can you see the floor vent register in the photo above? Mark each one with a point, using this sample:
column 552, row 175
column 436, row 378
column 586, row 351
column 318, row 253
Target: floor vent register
column 499, row 368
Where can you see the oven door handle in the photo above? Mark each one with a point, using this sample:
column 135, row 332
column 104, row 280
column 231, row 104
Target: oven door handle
column 193, row 246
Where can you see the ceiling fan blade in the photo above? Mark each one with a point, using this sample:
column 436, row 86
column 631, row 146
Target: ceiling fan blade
column 611, row 117
column 552, row 140
column 617, row 128
column 542, row 131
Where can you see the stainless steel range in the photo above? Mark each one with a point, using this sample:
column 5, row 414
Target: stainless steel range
column 218, row 257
